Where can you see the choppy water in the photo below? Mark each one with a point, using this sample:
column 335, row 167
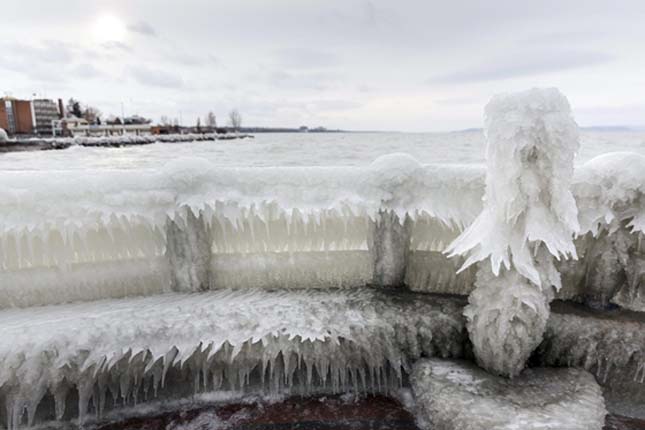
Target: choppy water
column 303, row 149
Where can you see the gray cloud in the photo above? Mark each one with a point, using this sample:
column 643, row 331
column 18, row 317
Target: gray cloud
column 523, row 64
column 277, row 60
column 145, row 75
column 113, row 45
column 86, row 70
column 306, row 58
column 142, row 27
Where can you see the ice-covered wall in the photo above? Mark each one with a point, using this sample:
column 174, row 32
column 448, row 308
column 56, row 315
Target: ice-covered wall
column 296, row 227
column 304, row 227
column 60, row 362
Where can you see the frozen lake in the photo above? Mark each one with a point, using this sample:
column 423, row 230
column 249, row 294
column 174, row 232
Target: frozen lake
column 304, row 149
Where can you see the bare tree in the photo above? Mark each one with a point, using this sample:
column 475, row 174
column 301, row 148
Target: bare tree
column 211, row 121
column 91, row 114
column 198, row 126
column 235, row 119
column 165, row 121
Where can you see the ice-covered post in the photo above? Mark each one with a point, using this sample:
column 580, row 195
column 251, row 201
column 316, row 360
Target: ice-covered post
column 395, row 176
column 529, row 217
column 188, row 250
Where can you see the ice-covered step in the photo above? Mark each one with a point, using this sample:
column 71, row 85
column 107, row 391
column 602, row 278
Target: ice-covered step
column 59, row 362
column 458, row 395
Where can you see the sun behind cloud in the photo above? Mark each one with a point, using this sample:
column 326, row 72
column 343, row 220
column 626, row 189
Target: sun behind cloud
column 109, row 28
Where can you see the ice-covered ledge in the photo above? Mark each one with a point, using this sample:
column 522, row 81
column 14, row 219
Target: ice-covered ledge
column 57, row 227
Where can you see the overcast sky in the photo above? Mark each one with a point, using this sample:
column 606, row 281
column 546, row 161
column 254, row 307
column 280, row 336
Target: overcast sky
column 369, row 64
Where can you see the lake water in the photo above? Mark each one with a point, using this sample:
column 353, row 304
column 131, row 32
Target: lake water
column 303, row 149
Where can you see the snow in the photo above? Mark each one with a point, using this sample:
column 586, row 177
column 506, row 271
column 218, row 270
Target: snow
column 298, row 341
column 3, row 136
column 453, row 394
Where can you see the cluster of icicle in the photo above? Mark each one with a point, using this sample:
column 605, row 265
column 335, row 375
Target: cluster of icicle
column 529, row 218
column 133, row 255
column 599, row 345
column 124, row 351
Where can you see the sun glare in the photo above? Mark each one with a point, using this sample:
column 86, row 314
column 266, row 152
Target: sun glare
column 108, row 28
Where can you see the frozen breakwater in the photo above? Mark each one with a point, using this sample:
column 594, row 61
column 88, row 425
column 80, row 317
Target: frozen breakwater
column 315, row 279
column 116, row 141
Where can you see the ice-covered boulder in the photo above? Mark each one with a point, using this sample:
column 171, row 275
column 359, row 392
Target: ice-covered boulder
column 529, row 217
column 3, row 136
column 456, row 395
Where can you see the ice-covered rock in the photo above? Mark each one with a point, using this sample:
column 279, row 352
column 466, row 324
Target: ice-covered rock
column 456, row 395
column 529, row 217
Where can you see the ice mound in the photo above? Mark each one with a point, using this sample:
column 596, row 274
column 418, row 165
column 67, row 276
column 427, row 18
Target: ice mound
column 458, row 395
column 3, row 136
column 298, row 341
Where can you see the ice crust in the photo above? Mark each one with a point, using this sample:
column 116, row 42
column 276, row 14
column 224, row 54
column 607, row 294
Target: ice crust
column 458, row 395
column 297, row 341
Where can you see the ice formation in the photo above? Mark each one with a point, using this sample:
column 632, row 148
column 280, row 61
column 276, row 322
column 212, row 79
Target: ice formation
column 64, row 225
column 130, row 139
column 529, row 214
column 195, row 276
column 458, row 395
column 531, row 143
column 3, row 136
column 300, row 341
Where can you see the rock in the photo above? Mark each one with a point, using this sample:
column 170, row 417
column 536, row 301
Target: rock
column 457, row 395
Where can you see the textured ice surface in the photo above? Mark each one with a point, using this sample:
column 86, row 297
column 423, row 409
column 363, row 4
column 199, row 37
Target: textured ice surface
column 610, row 344
column 531, row 143
column 194, row 216
column 609, row 190
column 458, row 395
column 63, row 224
column 506, row 317
column 529, row 218
column 296, row 341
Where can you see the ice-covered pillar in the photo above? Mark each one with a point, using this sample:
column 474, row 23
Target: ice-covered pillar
column 188, row 250
column 390, row 249
column 529, row 217
column 396, row 178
